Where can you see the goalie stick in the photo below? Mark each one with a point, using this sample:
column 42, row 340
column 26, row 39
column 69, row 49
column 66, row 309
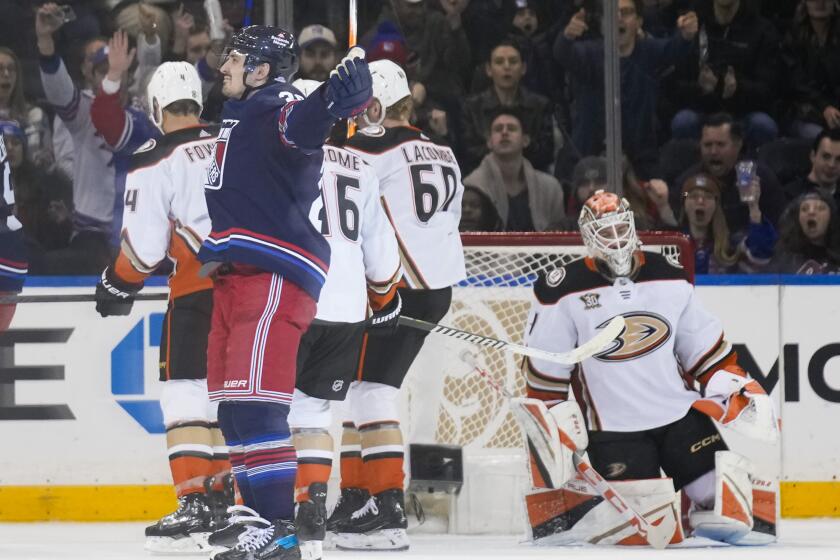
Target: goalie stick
column 657, row 536
column 585, row 350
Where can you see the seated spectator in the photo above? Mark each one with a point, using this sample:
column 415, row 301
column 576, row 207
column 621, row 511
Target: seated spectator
column 812, row 53
column 736, row 70
column 388, row 43
column 478, row 212
column 720, row 148
column 13, row 106
column 505, row 68
column 715, row 250
column 643, row 59
column 825, row 167
column 648, row 199
column 526, row 199
column 43, row 198
column 810, row 237
column 318, row 54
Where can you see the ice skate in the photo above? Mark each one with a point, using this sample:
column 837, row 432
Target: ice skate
column 277, row 541
column 311, row 522
column 240, row 521
column 379, row 525
column 183, row 531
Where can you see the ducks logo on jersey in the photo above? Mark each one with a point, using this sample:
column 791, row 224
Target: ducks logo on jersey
column 643, row 333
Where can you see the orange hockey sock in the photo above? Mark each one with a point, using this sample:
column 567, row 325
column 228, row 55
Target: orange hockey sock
column 382, row 456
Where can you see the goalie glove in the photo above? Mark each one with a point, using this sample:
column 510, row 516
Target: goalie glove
column 349, row 87
column 738, row 402
column 386, row 320
column 113, row 295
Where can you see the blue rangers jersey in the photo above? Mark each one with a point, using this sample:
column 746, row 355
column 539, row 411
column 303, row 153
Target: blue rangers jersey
column 263, row 182
column 13, row 264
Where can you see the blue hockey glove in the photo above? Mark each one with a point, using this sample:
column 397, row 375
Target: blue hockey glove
column 349, row 87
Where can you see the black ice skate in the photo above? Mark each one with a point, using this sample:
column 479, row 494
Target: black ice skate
column 275, row 542
column 240, row 520
column 351, row 500
column 379, row 525
column 185, row 530
column 311, row 522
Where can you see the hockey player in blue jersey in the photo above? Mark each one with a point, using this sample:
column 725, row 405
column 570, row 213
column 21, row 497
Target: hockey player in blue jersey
column 269, row 263
column 13, row 266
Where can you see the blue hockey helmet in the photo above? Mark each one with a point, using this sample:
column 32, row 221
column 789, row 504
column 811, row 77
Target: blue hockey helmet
column 265, row 44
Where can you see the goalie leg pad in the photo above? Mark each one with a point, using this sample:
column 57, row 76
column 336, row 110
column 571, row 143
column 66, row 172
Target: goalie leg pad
column 576, row 514
column 551, row 447
column 732, row 517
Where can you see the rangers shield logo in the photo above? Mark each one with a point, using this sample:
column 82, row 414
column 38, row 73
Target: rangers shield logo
column 217, row 167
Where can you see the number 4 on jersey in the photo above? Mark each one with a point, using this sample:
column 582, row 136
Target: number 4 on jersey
column 426, row 194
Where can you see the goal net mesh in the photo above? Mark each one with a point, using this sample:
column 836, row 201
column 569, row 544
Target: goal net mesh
column 494, row 301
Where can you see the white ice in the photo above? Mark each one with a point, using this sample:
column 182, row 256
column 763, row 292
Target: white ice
column 800, row 540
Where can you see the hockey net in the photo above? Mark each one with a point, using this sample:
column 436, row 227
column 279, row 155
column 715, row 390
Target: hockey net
column 458, row 404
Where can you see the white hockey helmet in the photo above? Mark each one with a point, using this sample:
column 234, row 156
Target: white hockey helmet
column 608, row 230
column 306, row 87
column 389, row 82
column 172, row 81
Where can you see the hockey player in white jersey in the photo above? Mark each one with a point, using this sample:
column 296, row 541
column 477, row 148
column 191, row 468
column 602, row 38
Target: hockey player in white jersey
column 165, row 215
column 648, row 398
column 420, row 185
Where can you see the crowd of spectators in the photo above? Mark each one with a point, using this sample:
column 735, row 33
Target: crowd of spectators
column 730, row 112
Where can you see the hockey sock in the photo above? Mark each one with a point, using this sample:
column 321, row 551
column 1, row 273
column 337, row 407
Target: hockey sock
column 314, row 448
column 352, row 475
column 267, row 456
column 382, row 456
column 221, row 458
column 190, row 448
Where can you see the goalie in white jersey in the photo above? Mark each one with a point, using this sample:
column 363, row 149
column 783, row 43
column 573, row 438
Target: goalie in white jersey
column 165, row 216
column 647, row 398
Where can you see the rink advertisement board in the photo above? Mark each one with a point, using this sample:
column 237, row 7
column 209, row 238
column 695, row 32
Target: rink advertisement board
column 82, row 426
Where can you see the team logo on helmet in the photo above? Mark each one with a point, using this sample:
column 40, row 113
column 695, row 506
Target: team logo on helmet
column 643, row 333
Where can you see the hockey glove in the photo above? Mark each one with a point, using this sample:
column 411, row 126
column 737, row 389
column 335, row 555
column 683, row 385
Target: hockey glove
column 737, row 401
column 113, row 295
column 349, row 87
column 386, row 320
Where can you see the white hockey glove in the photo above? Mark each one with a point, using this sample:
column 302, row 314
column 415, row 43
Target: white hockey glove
column 738, row 402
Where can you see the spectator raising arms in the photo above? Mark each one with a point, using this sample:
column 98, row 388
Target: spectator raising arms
column 643, row 59
column 703, row 220
column 810, row 237
column 526, row 199
column 720, row 148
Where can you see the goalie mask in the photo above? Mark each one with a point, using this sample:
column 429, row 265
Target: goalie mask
column 609, row 231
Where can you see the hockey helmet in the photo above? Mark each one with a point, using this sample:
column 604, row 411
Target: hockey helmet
column 389, row 82
column 266, row 44
column 172, row 81
column 306, row 87
column 609, row 231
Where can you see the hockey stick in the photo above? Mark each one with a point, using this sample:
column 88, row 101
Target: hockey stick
column 657, row 536
column 75, row 298
column 585, row 350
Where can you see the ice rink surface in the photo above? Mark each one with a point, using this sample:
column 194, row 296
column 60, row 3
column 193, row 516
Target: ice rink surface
column 800, row 540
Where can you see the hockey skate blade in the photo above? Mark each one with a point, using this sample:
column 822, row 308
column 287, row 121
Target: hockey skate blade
column 311, row 550
column 168, row 546
column 385, row 539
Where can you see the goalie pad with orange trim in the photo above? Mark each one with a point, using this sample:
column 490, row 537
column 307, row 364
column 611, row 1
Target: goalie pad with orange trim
column 745, row 505
column 576, row 514
column 552, row 436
